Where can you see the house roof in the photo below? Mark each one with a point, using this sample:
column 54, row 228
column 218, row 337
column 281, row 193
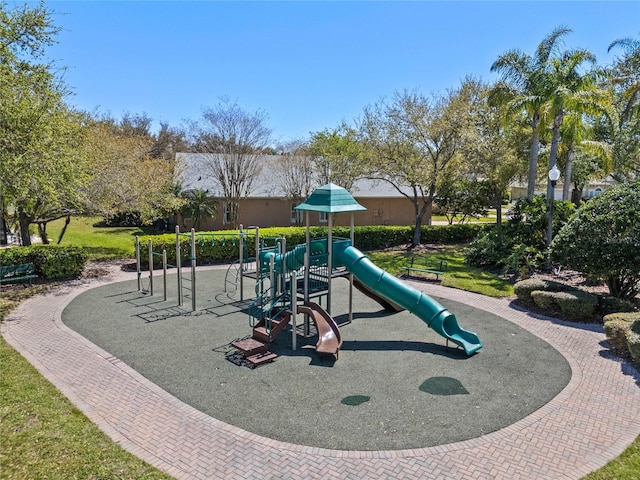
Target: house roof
column 191, row 168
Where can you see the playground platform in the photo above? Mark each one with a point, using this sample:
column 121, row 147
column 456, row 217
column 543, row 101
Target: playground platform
column 555, row 379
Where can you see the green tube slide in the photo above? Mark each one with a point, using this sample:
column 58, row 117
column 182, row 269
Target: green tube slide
column 395, row 290
column 390, row 287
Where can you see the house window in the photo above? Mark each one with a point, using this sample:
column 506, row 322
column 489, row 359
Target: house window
column 226, row 214
column 323, row 217
column 297, row 216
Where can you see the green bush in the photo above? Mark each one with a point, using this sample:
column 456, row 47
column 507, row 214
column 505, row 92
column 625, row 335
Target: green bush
column 50, row 261
column 608, row 304
column 617, row 327
column 635, row 326
column 524, row 288
column 544, row 299
column 633, row 344
column 576, row 304
column 520, row 247
column 602, row 240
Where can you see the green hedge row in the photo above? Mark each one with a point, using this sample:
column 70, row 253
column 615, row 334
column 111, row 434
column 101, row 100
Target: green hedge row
column 572, row 302
column 50, row 261
column 219, row 247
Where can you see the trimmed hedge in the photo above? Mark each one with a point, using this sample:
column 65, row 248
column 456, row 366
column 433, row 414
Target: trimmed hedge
column 576, row 304
column 633, row 344
column 618, row 329
column 525, row 288
column 544, row 299
column 223, row 246
column 50, row 261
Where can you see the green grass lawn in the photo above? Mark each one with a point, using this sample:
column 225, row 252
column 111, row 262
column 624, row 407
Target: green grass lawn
column 457, row 275
column 44, row 436
column 102, row 243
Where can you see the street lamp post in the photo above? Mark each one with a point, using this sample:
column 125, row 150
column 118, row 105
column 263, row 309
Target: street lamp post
column 554, row 175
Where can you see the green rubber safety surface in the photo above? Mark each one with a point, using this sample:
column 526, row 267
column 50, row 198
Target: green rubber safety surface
column 395, row 385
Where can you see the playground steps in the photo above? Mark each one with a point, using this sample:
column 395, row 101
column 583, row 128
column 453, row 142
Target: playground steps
column 255, row 352
column 278, row 324
column 250, row 347
column 261, row 358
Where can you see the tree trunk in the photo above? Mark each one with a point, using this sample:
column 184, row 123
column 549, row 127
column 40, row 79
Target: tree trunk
column 4, row 239
column 417, row 232
column 576, row 196
column 67, row 220
column 567, row 174
column 553, row 153
column 24, row 221
column 42, row 231
column 533, row 157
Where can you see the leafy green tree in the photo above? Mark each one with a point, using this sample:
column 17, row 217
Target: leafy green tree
column 199, row 206
column 42, row 175
column 410, row 141
column 125, row 179
column 461, row 199
column 336, row 153
column 602, row 240
column 524, row 86
column 489, row 152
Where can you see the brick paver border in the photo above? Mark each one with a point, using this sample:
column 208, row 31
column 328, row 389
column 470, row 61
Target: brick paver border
column 590, row 422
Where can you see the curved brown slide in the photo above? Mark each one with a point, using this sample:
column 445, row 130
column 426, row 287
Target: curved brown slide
column 329, row 337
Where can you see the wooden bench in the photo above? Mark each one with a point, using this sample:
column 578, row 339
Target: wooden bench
column 17, row 273
column 422, row 267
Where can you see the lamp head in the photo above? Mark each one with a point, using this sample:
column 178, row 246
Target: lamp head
column 554, row 174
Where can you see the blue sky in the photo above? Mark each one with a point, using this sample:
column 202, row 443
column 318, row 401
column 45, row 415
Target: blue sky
column 308, row 65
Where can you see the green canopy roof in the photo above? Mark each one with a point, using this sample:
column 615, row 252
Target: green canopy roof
column 330, row 198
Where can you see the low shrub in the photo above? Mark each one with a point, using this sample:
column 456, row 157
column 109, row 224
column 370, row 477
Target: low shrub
column 633, row 344
column 524, row 288
column 617, row 326
column 544, row 299
column 608, row 304
column 50, row 261
column 576, row 304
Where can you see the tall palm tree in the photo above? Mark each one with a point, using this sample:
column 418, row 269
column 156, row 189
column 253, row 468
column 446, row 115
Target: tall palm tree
column 524, row 87
column 577, row 138
column 627, row 73
column 571, row 90
column 624, row 77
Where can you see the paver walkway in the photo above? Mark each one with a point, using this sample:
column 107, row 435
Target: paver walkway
column 590, row 422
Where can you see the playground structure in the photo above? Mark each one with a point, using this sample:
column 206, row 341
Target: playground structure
column 288, row 279
column 186, row 285
column 295, row 281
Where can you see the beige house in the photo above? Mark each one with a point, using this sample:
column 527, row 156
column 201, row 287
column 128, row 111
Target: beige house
column 267, row 206
column 594, row 187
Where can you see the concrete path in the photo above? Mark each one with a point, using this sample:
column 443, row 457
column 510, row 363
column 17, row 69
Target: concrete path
column 589, row 423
